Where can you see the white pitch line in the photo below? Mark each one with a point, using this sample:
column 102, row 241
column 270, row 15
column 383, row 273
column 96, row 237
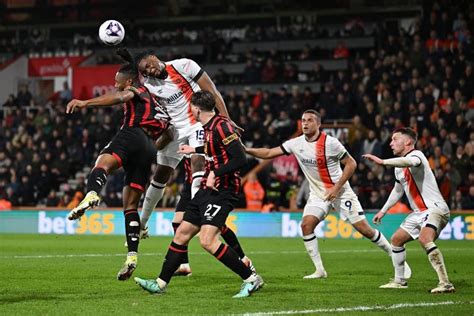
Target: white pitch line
column 284, row 252
column 359, row 308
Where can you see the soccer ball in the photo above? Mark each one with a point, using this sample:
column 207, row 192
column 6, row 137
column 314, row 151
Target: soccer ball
column 111, row 32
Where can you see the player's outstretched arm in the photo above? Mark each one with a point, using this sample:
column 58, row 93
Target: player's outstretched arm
column 103, row 100
column 373, row 158
column 205, row 83
column 264, row 153
column 350, row 166
column 394, row 197
column 400, row 162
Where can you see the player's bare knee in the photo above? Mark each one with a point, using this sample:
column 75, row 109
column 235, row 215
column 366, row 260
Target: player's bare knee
column 207, row 242
column 307, row 228
column 162, row 174
column 425, row 239
column 396, row 241
column 181, row 238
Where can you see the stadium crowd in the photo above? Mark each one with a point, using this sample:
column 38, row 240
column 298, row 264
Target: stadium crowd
column 421, row 77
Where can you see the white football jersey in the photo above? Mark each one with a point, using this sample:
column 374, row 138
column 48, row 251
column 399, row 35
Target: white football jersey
column 320, row 162
column 176, row 90
column 419, row 184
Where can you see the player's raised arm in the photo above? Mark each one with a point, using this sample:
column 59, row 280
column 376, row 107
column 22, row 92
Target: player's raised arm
column 393, row 198
column 350, row 166
column 103, row 100
column 265, row 153
column 206, row 84
column 400, row 162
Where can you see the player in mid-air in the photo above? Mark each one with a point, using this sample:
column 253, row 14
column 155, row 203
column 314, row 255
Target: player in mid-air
column 319, row 156
column 413, row 176
column 131, row 148
column 173, row 84
column 207, row 212
column 227, row 234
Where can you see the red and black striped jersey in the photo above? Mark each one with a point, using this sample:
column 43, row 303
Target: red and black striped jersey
column 142, row 111
column 188, row 175
column 219, row 133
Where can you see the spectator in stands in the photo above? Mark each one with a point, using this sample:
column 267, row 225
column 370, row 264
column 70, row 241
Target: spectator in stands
column 24, row 96
column 356, row 126
column 372, row 145
column 269, row 71
column 467, row 202
column 438, row 160
column 52, row 199
column 4, row 203
column 65, row 95
column 254, row 192
column 341, row 51
column 11, row 101
column 461, row 161
column 78, row 196
column 251, row 73
column 376, row 201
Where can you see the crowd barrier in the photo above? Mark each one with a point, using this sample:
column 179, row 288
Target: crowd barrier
column 245, row 224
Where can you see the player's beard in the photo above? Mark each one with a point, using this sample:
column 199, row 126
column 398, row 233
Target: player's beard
column 163, row 75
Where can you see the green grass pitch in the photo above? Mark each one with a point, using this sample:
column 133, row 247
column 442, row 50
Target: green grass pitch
column 75, row 275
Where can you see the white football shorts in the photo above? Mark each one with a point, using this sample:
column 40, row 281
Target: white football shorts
column 192, row 136
column 348, row 208
column 437, row 217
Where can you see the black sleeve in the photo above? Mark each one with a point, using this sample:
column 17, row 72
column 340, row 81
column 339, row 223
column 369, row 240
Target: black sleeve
column 198, row 75
column 237, row 159
column 284, row 150
column 418, row 159
column 199, row 150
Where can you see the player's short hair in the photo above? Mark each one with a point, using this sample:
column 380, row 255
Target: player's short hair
column 318, row 115
column 129, row 68
column 143, row 55
column 407, row 131
column 204, row 100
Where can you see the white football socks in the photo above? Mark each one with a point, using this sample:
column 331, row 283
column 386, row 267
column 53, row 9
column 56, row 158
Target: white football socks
column 382, row 242
column 154, row 193
column 437, row 261
column 311, row 244
column 399, row 255
column 195, row 185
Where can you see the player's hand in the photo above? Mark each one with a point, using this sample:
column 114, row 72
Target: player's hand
column 211, row 181
column 373, row 158
column 74, row 103
column 378, row 218
column 186, row 149
column 332, row 193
